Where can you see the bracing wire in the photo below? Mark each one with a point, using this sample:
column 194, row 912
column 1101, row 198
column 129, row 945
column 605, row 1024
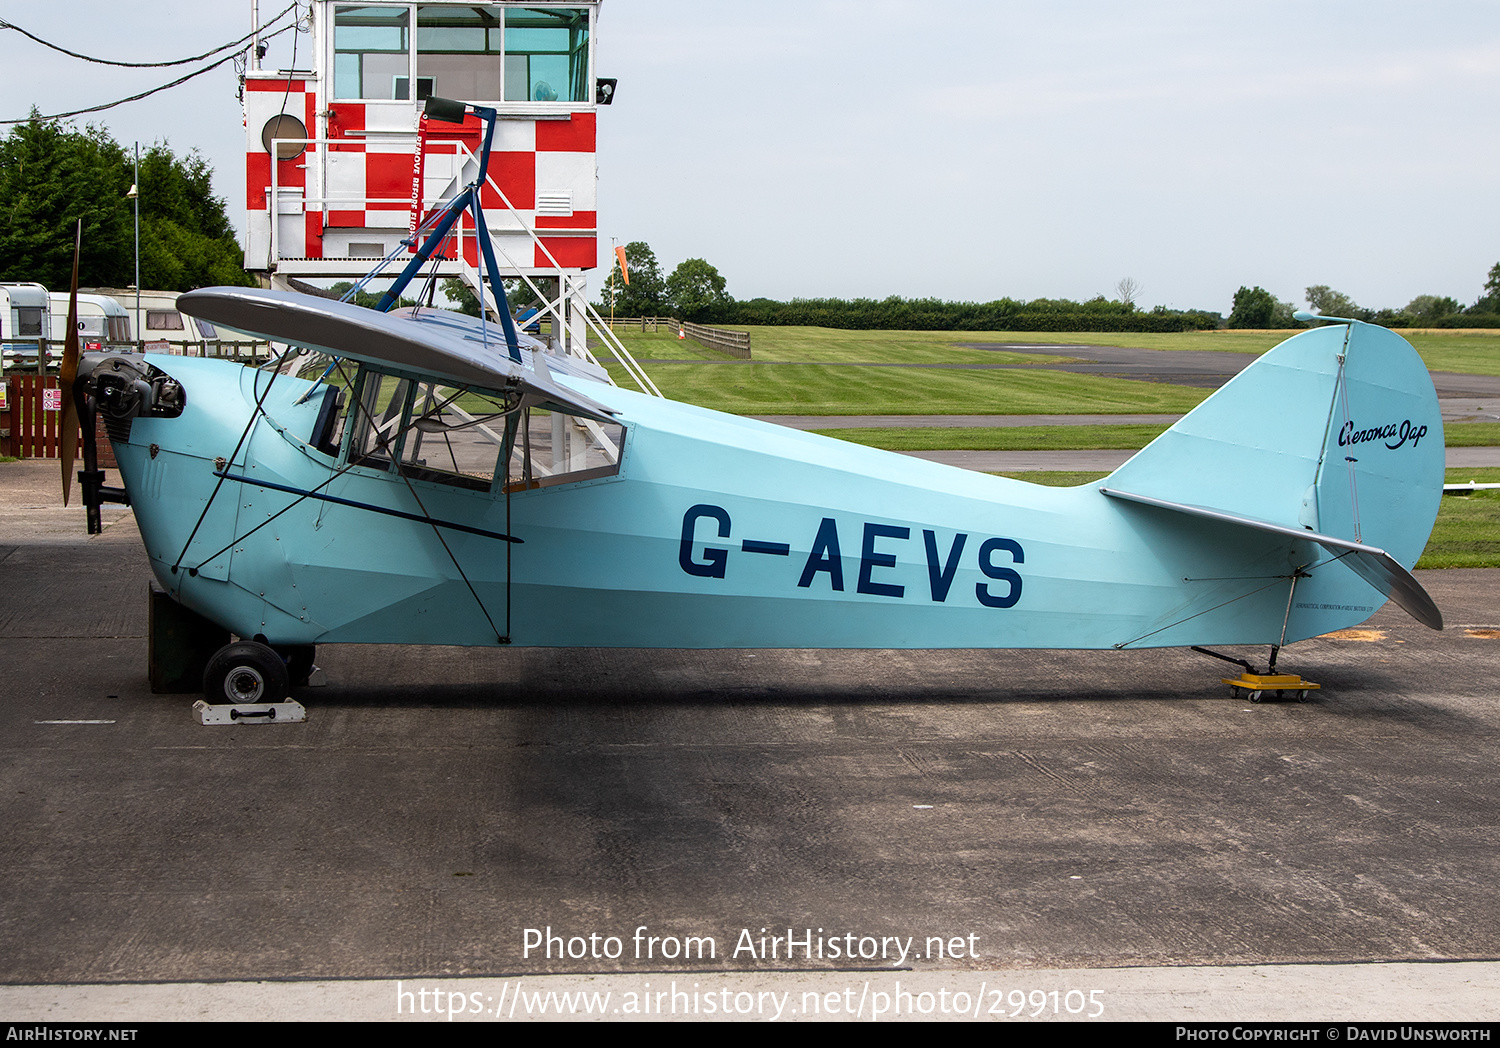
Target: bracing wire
column 144, row 94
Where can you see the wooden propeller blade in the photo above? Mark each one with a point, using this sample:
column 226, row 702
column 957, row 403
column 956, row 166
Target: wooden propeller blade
column 69, row 373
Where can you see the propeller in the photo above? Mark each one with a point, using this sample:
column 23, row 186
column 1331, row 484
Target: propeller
column 69, row 373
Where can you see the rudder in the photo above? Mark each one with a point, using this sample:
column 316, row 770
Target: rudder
column 1336, row 431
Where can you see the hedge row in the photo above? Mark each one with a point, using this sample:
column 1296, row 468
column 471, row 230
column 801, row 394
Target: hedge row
column 934, row 315
column 1454, row 320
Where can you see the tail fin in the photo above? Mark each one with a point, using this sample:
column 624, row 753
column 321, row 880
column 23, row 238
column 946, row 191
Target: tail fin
column 1335, row 434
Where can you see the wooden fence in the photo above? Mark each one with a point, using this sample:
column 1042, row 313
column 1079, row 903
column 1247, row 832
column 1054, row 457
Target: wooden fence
column 31, row 402
column 31, row 416
column 735, row 343
column 641, row 324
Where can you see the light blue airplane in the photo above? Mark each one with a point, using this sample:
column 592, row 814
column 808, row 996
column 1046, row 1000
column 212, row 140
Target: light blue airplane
column 455, row 483
column 442, row 493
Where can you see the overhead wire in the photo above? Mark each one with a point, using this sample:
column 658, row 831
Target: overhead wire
column 146, row 65
column 155, row 90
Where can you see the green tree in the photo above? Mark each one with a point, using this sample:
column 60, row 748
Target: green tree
column 696, row 290
column 50, row 178
column 464, row 300
column 1333, row 303
column 517, row 294
column 1284, row 316
column 1431, row 307
column 1489, row 302
column 363, row 298
column 186, row 238
column 52, row 175
column 1253, row 308
column 645, row 295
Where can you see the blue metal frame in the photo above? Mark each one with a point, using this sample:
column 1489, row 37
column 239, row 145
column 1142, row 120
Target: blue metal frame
column 467, row 199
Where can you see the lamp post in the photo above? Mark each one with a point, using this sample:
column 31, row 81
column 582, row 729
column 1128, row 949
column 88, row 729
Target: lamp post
column 135, row 197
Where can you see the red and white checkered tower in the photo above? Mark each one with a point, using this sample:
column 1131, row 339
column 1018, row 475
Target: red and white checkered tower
column 331, row 142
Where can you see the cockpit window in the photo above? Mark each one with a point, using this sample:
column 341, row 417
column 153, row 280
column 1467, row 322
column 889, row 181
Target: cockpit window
column 552, row 447
column 454, row 436
column 459, row 436
column 377, row 423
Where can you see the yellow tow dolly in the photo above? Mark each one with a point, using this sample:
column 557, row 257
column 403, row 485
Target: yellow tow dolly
column 1257, row 687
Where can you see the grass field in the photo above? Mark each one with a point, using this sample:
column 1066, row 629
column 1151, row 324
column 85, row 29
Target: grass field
column 1073, row 438
column 1467, row 532
column 749, row 388
column 1472, row 351
column 812, row 345
column 802, row 370
column 805, row 371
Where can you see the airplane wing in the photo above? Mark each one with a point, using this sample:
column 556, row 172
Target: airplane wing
column 1374, row 565
column 447, row 346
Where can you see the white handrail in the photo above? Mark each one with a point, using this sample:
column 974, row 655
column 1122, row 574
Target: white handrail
column 591, row 315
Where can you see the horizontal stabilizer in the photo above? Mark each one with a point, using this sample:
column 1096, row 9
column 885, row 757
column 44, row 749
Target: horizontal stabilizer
column 1374, row 565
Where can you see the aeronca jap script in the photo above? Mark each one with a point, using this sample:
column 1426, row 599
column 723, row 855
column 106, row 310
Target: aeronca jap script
column 1406, row 431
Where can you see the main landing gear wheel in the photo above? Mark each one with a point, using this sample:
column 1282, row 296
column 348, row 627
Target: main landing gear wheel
column 245, row 673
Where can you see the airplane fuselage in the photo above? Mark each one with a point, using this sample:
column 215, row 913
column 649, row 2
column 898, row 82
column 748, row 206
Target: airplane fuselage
column 716, row 531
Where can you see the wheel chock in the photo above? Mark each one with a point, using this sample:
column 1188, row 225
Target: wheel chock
column 1258, row 687
column 287, row 712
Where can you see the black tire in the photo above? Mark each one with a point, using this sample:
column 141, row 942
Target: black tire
column 245, row 673
column 299, row 662
column 1256, row 696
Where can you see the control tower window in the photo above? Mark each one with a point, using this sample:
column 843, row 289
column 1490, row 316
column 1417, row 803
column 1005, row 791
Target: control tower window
column 547, row 55
column 459, row 51
column 371, row 52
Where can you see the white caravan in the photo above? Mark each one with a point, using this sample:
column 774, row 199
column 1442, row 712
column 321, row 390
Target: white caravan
column 101, row 321
column 165, row 330
column 25, row 316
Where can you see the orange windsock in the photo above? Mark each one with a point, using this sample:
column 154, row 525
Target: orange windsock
column 624, row 269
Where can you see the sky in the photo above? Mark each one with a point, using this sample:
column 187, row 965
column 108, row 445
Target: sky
column 962, row 150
